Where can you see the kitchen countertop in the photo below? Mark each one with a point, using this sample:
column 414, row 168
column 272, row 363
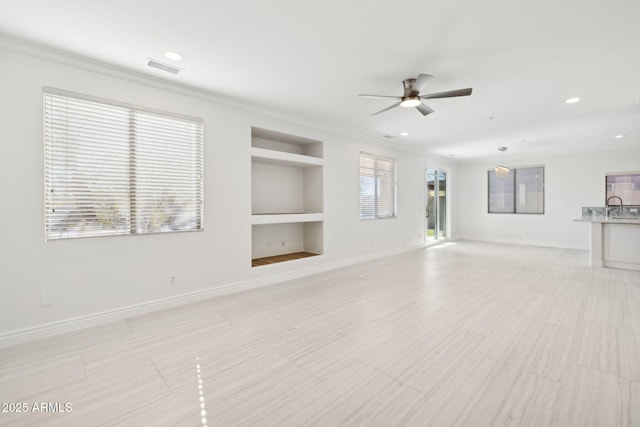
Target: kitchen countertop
column 604, row 220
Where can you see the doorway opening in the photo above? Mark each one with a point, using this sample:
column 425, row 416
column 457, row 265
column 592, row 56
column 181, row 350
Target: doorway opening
column 436, row 206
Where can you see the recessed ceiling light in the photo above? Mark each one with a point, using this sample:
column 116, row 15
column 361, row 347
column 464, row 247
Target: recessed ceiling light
column 404, row 133
column 572, row 100
column 619, row 136
column 173, row 55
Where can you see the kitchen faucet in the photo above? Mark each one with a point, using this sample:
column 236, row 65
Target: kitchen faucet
column 620, row 206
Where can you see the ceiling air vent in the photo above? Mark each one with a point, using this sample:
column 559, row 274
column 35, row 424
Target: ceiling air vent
column 164, row 67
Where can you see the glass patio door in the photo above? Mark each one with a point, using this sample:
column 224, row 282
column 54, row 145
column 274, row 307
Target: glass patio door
column 436, row 206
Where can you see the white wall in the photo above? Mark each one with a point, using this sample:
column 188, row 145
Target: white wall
column 276, row 189
column 570, row 183
column 92, row 275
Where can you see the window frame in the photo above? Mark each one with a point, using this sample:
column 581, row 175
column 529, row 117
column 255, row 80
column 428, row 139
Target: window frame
column 194, row 177
column 394, row 193
column 513, row 172
column 613, row 178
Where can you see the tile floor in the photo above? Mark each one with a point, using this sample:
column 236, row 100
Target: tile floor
column 458, row 334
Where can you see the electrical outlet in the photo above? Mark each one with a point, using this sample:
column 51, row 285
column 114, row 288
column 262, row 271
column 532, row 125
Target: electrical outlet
column 283, row 243
column 46, row 299
column 173, row 280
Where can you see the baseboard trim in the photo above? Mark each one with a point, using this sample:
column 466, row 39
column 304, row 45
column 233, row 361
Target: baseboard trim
column 621, row 264
column 82, row 322
column 523, row 242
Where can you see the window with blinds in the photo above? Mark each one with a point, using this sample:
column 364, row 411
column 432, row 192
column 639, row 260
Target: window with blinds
column 117, row 169
column 377, row 187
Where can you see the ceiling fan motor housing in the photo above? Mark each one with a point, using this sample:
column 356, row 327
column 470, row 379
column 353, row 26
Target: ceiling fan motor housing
column 408, row 88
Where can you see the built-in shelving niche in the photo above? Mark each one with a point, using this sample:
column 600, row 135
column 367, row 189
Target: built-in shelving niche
column 286, row 197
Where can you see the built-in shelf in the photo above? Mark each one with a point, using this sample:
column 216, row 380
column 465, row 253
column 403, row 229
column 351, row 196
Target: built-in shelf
column 286, row 218
column 257, row 262
column 286, row 196
column 277, row 141
column 262, row 155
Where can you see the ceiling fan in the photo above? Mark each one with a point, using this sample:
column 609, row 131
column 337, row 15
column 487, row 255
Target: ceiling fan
column 412, row 97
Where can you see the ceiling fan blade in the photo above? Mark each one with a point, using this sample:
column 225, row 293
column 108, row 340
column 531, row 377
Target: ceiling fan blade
column 364, row 95
column 448, row 94
column 424, row 109
column 386, row 109
column 422, row 81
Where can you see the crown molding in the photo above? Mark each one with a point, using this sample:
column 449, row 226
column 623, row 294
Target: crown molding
column 49, row 53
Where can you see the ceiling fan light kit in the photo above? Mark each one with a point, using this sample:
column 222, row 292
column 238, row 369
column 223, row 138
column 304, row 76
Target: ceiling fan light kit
column 410, row 101
column 412, row 98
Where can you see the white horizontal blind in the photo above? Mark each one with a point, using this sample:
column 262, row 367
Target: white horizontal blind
column 377, row 187
column 113, row 169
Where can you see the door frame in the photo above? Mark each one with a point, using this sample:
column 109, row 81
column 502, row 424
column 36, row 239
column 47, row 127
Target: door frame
column 436, row 239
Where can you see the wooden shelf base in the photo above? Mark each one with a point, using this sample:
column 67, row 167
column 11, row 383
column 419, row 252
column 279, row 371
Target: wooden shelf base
column 280, row 258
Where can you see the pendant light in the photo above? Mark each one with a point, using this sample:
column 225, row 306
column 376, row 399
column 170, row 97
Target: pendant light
column 502, row 171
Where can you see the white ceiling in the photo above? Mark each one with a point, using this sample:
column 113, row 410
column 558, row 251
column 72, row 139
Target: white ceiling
column 311, row 60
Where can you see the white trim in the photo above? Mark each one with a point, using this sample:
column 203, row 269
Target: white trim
column 621, row 264
column 81, row 322
column 49, row 53
column 517, row 241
